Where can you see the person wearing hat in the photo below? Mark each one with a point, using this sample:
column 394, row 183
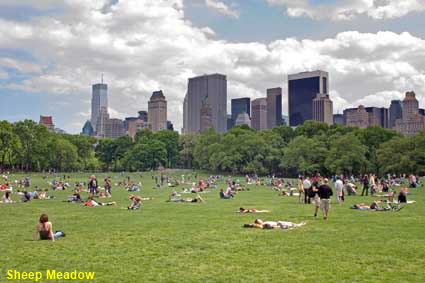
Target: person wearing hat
column 325, row 192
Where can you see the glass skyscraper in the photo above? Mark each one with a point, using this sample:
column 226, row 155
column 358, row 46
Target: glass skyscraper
column 302, row 90
column 99, row 100
column 395, row 112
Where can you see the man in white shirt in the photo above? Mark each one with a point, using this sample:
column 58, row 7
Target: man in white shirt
column 307, row 188
column 339, row 187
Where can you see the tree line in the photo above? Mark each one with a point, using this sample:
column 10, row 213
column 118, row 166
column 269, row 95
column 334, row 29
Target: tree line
column 310, row 148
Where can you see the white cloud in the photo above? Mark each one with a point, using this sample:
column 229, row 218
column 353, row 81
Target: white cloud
column 142, row 46
column 350, row 9
column 3, row 75
column 222, row 8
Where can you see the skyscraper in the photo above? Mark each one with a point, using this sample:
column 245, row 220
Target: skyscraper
column 274, row 107
column 99, row 99
column 411, row 122
column 102, row 121
column 214, row 89
column 206, row 117
column 378, row 116
column 323, row 109
column 394, row 112
column 157, row 112
column 240, row 105
column 302, row 89
column 259, row 114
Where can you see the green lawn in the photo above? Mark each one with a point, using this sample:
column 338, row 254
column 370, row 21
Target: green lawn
column 191, row 242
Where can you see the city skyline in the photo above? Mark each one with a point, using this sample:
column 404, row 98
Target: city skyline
column 51, row 54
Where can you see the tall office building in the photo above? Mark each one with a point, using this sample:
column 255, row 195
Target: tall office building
column 99, row 99
column 323, row 109
column 206, row 117
column 114, row 128
column 378, row 116
column 356, row 117
column 102, row 121
column 302, row 90
column 240, row 105
column 274, row 107
column 395, row 112
column 411, row 122
column 259, row 114
column 157, row 112
column 212, row 88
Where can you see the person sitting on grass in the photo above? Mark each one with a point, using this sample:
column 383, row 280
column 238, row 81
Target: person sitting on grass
column 260, row 224
column 6, row 197
column 136, row 202
column 225, row 196
column 44, row 230
column 253, row 210
column 75, row 198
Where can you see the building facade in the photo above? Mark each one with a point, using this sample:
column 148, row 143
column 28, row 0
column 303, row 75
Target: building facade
column 338, row 119
column 114, row 128
column 323, row 109
column 206, row 121
column 356, row 117
column 302, row 90
column 274, row 107
column 157, row 112
column 395, row 112
column 240, row 105
column 378, row 116
column 411, row 122
column 213, row 89
column 259, row 114
column 87, row 129
column 99, row 100
column 47, row 121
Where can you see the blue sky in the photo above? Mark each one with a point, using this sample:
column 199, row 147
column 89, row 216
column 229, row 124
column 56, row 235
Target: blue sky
column 52, row 51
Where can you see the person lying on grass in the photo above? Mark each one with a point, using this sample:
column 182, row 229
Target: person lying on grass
column 253, row 210
column 375, row 206
column 197, row 199
column 44, row 230
column 91, row 202
column 260, row 224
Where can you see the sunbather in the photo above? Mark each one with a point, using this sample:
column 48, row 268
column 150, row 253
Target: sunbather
column 253, row 210
column 258, row 223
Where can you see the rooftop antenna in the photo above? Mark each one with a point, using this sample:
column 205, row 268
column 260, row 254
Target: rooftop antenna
column 102, row 78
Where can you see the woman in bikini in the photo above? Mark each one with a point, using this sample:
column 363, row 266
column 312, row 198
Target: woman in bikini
column 44, row 230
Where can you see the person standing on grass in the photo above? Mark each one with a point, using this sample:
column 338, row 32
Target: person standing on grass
column 92, row 185
column 301, row 189
column 339, row 187
column 325, row 192
column 365, row 182
column 307, row 187
column 108, row 186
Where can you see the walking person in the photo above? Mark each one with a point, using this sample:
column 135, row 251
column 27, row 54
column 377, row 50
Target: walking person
column 339, row 190
column 365, row 182
column 325, row 192
column 307, row 187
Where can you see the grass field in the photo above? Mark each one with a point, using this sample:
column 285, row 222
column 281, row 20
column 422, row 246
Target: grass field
column 192, row 242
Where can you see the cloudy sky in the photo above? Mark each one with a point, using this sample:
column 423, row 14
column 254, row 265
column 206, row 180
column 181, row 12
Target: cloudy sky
column 52, row 51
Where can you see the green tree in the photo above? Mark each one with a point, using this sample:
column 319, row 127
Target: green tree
column 171, row 141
